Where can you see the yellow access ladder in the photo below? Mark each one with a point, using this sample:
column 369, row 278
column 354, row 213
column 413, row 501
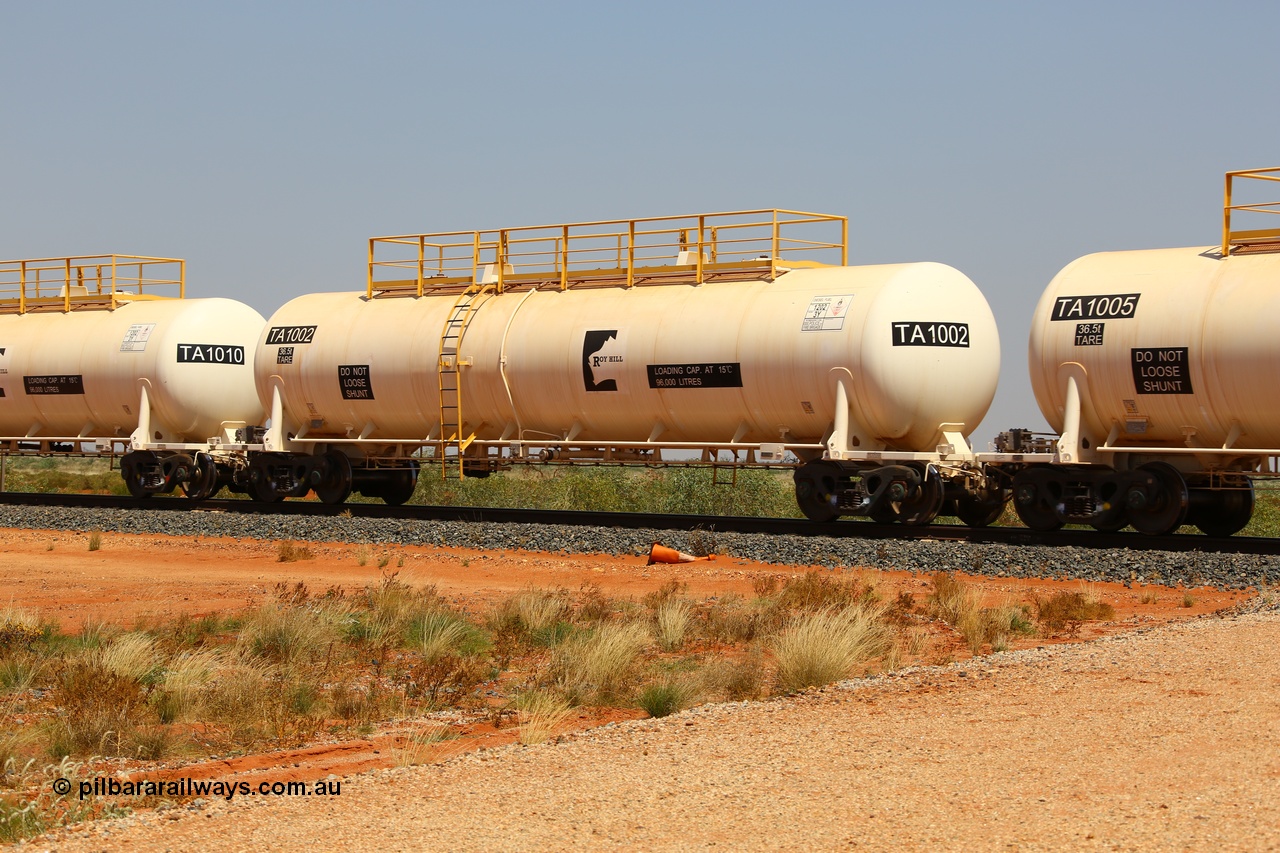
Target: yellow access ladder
column 448, row 372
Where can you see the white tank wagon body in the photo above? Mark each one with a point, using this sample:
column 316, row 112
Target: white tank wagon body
column 872, row 376
column 1159, row 369
column 89, row 361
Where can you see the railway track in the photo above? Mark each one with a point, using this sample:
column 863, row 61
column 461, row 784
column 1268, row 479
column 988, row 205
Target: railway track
column 634, row 521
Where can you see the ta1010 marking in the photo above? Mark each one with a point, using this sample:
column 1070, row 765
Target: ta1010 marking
column 210, row 354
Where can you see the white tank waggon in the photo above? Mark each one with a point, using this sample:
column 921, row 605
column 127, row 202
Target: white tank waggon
column 721, row 339
column 102, row 355
column 1159, row 370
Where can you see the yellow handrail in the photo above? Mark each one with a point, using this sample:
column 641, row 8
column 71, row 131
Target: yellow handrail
column 87, row 281
column 1230, row 237
column 691, row 247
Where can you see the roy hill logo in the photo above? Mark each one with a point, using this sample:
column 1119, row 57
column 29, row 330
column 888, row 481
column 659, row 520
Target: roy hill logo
column 602, row 360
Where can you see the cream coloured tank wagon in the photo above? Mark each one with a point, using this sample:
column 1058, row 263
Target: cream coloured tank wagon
column 1160, row 370
column 102, row 354
column 737, row 338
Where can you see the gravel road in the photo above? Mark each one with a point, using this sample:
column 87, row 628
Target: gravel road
column 1157, row 740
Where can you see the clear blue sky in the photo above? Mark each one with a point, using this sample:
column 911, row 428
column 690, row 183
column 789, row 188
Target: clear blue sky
column 265, row 142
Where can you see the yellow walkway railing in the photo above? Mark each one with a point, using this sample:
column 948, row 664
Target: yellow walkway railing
column 87, row 281
column 616, row 252
column 1267, row 239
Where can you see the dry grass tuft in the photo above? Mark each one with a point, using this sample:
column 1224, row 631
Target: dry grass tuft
column 289, row 552
column 671, row 621
column 540, row 713
column 819, row 648
column 420, row 747
column 1066, row 610
column 599, row 663
column 734, row 680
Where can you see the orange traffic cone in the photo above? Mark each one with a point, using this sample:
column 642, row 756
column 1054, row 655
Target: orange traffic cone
column 663, row 554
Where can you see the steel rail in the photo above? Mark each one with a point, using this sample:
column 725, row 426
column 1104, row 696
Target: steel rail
column 1019, row 536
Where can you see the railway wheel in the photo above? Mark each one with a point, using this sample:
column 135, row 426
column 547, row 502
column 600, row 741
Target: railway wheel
column 1228, row 511
column 133, row 482
column 884, row 515
column 817, row 485
column 923, row 505
column 137, row 470
column 202, row 480
column 335, row 487
column 400, row 485
column 980, row 510
column 262, row 487
column 1035, row 503
column 1158, row 503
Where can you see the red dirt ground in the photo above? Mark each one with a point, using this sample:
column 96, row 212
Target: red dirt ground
column 134, row 578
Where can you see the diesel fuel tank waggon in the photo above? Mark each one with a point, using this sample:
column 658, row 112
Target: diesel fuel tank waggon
column 636, row 341
column 1160, row 370
column 99, row 353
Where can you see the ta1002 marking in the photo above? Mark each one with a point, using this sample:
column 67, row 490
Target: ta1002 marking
column 1117, row 306
column 210, row 354
column 913, row 334
column 1089, row 334
column 1161, row 370
column 290, row 335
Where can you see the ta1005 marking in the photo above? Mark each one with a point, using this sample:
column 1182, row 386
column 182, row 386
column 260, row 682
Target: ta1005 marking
column 1161, row 370
column 1117, row 306
column 1089, row 334
column 290, row 335
column 354, row 381
column 913, row 334
column 210, row 354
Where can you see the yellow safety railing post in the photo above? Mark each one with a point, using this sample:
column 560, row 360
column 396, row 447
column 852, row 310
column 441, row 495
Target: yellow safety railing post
column 22, row 284
column 631, row 252
column 422, row 261
column 1226, row 218
column 844, row 241
column 66, row 287
column 702, row 224
column 502, row 259
column 773, row 255
column 564, row 258
column 369, row 284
